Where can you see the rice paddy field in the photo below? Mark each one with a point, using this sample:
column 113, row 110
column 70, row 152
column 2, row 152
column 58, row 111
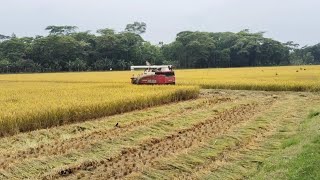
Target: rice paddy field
column 236, row 123
column 293, row 78
column 28, row 106
column 285, row 78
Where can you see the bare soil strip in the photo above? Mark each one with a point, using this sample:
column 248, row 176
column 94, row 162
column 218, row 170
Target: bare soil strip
column 136, row 159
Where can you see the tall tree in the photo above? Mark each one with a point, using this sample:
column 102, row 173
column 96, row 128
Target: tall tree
column 64, row 49
column 136, row 27
column 4, row 37
column 61, row 30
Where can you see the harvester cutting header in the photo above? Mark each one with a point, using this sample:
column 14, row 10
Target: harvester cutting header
column 154, row 74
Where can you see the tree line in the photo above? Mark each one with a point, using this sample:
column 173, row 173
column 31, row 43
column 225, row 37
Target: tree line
column 66, row 49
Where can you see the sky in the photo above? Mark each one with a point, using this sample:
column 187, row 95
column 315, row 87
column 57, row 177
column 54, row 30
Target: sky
column 283, row 20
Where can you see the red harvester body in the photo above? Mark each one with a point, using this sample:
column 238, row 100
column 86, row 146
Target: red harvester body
column 155, row 74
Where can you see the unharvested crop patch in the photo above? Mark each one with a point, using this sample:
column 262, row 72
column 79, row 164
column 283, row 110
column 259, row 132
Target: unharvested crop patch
column 27, row 106
column 35, row 101
column 284, row 78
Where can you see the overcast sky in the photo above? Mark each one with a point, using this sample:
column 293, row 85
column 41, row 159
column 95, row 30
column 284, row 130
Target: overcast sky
column 284, row 20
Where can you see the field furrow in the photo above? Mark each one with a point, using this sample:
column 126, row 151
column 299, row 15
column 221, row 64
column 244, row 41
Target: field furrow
column 136, row 159
column 236, row 153
column 249, row 158
column 209, row 155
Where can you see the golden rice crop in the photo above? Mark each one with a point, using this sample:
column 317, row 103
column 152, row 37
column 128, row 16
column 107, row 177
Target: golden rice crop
column 32, row 101
column 27, row 106
column 285, row 78
column 293, row 78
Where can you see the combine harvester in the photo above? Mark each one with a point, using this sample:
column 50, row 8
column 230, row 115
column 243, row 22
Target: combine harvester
column 154, row 74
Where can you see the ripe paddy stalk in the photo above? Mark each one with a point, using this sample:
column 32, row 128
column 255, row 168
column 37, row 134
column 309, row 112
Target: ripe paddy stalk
column 280, row 78
column 35, row 107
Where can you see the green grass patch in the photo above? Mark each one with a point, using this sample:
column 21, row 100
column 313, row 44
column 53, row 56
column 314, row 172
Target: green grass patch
column 313, row 113
column 290, row 142
column 307, row 164
column 299, row 158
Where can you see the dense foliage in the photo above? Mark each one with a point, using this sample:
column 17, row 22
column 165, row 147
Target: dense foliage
column 65, row 49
